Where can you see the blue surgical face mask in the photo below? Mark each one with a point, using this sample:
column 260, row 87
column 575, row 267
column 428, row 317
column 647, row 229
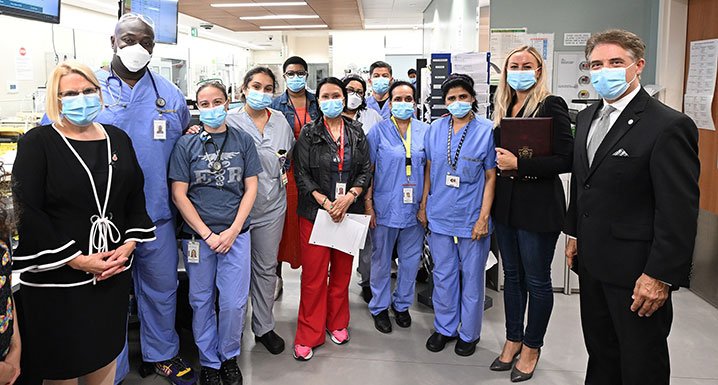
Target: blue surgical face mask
column 296, row 83
column 521, row 80
column 402, row 110
column 610, row 83
column 459, row 109
column 380, row 85
column 258, row 100
column 332, row 108
column 412, row 80
column 81, row 110
column 213, row 117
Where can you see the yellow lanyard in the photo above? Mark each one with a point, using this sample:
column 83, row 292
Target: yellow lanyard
column 407, row 145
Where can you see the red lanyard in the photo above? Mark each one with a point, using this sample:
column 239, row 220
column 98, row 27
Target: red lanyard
column 341, row 145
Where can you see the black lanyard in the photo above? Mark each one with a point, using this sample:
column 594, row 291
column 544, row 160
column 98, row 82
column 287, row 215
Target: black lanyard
column 458, row 149
column 306, row 109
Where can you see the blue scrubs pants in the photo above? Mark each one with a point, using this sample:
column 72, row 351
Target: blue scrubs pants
column 218, row 341
column 458, row 296
column 409, row 248
column 154, row 273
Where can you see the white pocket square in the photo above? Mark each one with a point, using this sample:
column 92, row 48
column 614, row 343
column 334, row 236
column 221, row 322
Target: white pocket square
column 621, row 153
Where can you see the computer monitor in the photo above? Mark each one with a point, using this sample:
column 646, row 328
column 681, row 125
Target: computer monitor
column 41, row 10
column 162, row 12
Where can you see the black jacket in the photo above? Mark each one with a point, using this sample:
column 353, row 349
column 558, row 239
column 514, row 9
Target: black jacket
column 535, row 201
column 635, row 211
column 312, row 164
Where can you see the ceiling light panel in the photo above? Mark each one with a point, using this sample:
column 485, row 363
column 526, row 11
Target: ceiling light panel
column 259, row 4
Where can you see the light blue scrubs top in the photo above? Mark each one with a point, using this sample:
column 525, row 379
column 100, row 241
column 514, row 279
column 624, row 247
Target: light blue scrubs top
column 388, row 155
column 134, row 111
column 271, row 202
column 454, row 211
column 385, row 111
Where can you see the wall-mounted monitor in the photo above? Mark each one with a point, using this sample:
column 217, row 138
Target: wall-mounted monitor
column 40, row 10
column 162, row 12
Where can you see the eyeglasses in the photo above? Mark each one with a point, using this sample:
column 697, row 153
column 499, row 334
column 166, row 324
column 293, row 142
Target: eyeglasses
column 290, row 74
column 70, row 93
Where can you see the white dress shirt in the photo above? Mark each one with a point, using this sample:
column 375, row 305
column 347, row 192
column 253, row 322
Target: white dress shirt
column 619, row 106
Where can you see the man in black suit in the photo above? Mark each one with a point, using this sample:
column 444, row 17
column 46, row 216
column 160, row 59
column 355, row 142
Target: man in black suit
column 632, row 216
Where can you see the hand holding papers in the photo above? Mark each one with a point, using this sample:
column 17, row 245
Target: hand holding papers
column 347, row 236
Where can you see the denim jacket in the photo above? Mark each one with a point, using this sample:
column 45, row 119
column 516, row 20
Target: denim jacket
column 281, row 103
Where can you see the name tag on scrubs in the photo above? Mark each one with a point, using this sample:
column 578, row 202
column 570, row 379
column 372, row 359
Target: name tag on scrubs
column 340, row 190
column 453, row 180
column 408, row 195
column 193, row 252
column 160, row 129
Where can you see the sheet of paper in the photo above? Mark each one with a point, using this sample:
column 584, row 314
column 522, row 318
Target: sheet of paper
column 573, row 77
column 543, row 42
column 501, row 42
column 698, row 107
column 700, row 84
column 347, row 236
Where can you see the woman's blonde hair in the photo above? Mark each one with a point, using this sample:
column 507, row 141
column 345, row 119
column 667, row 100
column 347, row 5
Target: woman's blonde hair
column 52, row 102
column 504, row 93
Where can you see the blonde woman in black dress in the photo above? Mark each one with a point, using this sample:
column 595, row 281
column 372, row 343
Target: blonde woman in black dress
column 79, row 193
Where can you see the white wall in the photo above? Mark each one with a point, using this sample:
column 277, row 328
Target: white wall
column 670, row 58
column 209, row 55
column 358, row 49
column 313, row 49
column 450, row 26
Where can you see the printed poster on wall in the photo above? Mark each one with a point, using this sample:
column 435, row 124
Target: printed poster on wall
column 701, row 81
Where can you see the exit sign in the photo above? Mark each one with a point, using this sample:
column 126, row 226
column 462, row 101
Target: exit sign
column 193, row 32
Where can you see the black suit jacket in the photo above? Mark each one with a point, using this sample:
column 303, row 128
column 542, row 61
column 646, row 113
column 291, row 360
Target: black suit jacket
column 636, row 214
column 534, row 200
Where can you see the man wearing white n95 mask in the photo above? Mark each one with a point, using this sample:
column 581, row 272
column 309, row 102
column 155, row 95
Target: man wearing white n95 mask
column 632, row 216
column 154, row 114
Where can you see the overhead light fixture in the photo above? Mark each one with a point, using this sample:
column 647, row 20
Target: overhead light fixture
column 266, row 4
column 309, row 26
column 392, row 26
column 278, row 17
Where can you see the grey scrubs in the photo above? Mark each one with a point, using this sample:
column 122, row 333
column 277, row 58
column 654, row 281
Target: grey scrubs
column 368, row 118
column 267, row 213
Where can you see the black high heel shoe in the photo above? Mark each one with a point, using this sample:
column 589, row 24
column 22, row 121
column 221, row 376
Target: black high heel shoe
column 500, row 366
column 519, row 376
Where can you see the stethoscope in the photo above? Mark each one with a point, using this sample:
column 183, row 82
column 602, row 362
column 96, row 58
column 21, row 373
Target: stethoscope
column 206, row 139
column 160, row 102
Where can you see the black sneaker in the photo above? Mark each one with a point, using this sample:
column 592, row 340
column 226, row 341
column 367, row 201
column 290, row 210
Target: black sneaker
column 382, row 322
column 209, row 376
column 272, row 341
column 177, row 371
column 403, row 318
column 230, row 373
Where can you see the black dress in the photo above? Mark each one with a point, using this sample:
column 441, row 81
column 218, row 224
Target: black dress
column 73, row 325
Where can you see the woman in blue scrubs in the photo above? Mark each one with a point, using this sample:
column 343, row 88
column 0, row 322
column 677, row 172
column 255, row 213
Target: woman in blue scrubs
column 396, row 148
column 458, row 191
column 214, row 186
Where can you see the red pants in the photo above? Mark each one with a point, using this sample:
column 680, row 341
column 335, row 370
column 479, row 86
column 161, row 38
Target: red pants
column 322, row 305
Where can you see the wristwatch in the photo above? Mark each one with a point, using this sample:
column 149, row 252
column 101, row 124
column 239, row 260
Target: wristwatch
column 356, row 196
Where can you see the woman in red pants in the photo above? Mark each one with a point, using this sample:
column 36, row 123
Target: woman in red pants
column 332, row 170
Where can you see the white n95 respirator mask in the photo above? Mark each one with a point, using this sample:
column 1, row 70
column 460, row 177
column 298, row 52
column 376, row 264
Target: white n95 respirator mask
column 134, row 57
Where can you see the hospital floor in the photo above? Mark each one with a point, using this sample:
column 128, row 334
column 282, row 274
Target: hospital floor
column 400, row 357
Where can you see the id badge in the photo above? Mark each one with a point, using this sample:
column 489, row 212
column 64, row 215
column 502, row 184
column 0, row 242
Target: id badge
column 159, row 127
column 284, row 178
column 340, row 190
column 408, row 195
column 453, row 180
column 193, row 251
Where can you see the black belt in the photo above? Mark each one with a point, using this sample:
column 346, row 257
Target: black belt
column 186, row 235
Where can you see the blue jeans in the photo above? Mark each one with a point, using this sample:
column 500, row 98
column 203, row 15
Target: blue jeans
column 526, row 257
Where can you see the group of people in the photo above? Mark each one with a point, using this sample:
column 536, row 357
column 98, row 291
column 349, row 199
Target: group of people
column 96, row 188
